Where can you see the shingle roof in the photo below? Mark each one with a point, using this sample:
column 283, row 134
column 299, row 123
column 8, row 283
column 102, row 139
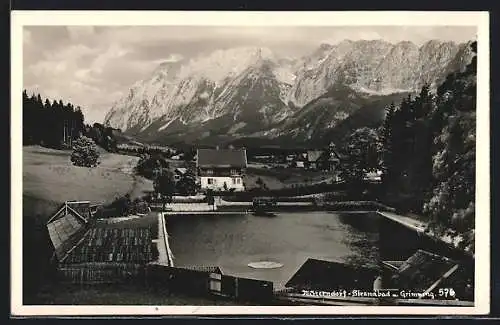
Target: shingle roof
column 181, row 170
column 122, row 245
column 422, row 269
column 65, row 228
column 313, row 156
column 222, row 158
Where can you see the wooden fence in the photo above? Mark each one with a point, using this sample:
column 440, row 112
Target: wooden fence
column 204, row 283
column 101, row 273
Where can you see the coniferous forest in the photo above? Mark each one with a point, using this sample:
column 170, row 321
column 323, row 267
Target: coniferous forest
column 56, row 124
column 50, row 124
column 428, row 156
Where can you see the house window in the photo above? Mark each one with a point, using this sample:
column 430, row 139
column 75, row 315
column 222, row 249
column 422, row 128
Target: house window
column 210, row 181
column 234, row 172
column 236, row 181
column 210, row 172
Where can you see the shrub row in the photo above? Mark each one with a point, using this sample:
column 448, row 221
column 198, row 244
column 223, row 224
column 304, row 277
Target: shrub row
column 278, row 199
column 356, row 205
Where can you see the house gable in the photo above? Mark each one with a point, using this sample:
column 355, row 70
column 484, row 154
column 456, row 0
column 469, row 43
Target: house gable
column 423, row 270
column 67, row 227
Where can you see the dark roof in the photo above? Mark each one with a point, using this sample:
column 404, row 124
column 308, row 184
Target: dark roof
column 66, row 228
column 222, row 158
column 181, row 170
column 83, row 208
column 313, row 156
column 317, row 274
column 119, row 245
column 423, row 269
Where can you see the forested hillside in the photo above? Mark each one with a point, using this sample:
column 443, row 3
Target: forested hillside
column 50, row 123
column 56, row 124
column 429, row 153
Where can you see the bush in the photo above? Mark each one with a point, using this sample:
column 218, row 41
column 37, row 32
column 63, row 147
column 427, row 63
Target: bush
column 138, row 206
column 84, row 153
column 121, row 206
column 356, row 206
column 150, row 165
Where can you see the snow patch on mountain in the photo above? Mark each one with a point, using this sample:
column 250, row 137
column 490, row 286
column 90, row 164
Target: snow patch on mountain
column 251, row 87
column 164, row 126
column 236, row 127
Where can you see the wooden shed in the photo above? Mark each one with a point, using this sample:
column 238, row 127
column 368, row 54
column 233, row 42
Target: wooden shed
column 87, row 253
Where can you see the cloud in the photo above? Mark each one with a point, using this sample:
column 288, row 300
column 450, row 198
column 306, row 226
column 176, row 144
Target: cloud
column 76, row 33
column 173, row 58
column 113, row 52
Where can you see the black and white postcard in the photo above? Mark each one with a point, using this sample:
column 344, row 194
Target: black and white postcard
column 314, row 163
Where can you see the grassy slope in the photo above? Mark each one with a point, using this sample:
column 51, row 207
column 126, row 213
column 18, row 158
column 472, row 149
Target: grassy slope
column 49, row 179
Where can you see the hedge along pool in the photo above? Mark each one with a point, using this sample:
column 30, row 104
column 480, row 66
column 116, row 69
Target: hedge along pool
column 273, row 249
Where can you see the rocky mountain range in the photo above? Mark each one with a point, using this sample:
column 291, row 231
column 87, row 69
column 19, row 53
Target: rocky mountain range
column 251, row 93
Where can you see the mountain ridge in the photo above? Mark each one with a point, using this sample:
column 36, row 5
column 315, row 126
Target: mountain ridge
column 250, row 91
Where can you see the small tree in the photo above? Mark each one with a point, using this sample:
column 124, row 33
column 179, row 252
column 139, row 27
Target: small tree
column 188, row 155
column 165, row 185
column 363, row 155
column 187, row 184
column 261, row 184
column 84, row 153
column 210, row 198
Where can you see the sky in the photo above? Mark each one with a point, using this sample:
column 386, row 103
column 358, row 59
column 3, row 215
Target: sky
column 93, row 66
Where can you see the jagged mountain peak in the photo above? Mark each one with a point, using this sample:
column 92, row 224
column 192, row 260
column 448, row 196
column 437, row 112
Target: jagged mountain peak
column 405, row 44
column 250, row 89
column 202, row 88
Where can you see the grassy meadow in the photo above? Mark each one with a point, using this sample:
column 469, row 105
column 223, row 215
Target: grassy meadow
column 49, row 179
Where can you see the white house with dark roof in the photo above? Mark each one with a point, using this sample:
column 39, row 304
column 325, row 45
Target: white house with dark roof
column 220, row 169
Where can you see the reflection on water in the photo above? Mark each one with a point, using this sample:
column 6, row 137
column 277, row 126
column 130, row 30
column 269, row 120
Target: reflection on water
column 234, row 241
column 363, row 237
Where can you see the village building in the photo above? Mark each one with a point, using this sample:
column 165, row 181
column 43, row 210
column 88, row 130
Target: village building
column 264, row 158
column 179, row 173
column 425, row 272
column 220, row 169
column 299, row 164
column 313, row 157
column 375, row 176
column 129, row 147
column 321, row 160
column 88, row 253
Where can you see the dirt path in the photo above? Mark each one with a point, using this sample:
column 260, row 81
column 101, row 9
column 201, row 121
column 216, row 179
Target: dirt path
column 420, row 227
column 165, row 256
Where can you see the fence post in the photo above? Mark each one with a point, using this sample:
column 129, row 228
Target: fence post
column 236, row 292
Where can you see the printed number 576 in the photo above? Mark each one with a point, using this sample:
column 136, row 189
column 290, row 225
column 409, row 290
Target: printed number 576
column 446, row 292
